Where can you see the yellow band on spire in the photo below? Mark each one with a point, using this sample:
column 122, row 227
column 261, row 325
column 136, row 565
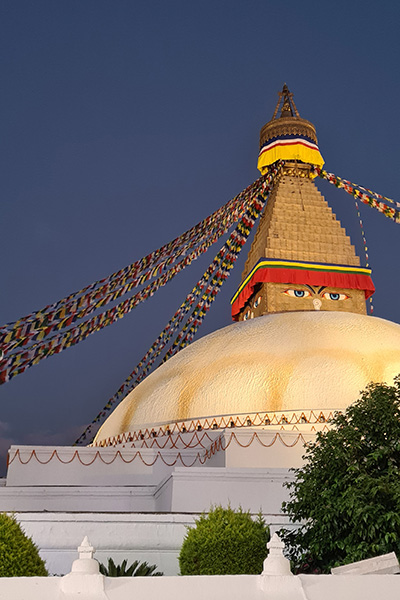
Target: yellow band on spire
column 289, row 150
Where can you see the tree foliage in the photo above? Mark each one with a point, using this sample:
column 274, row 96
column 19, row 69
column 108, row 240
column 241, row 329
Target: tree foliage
column 19, row 556
column 224, row 542
column 136, row 569
column 348, row 492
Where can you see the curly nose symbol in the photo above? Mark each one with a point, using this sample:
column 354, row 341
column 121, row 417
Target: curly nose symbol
column 317, row 303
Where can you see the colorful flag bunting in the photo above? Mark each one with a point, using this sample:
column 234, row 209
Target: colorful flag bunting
column 217, row 272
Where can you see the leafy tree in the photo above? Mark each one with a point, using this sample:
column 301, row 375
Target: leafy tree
column 347, row 495
column 19, row 556
column 136, row 569
column 224, row 542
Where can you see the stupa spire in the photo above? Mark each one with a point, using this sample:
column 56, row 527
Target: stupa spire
column 289, row 108
column 301, row 257
column 287, row 136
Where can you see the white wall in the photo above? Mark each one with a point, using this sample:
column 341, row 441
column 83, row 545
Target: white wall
column 131, row 510
column 226, row 587
column 276, row 582
column 156, row 538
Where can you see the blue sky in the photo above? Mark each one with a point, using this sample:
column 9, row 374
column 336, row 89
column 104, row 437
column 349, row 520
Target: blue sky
column 124, row 123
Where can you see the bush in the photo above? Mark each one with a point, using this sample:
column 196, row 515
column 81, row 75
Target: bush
column 19, row 556
column 137, row 569
column 347, row 494
column 224, row 542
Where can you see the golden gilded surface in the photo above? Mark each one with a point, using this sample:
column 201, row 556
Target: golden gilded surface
column 282, row 297
column 287, row 126
column 288, row 361
column 289, row 122
column 298, row 224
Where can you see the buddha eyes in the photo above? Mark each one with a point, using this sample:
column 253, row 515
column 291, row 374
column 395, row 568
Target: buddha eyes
column 334, row 296
column 306, row 294
column 298, row 293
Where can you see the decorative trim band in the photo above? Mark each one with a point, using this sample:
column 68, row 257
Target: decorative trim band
column 284, row 271
column 290, row 147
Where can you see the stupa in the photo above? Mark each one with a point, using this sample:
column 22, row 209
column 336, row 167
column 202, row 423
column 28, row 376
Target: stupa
column 302, row 341
column 224, row 419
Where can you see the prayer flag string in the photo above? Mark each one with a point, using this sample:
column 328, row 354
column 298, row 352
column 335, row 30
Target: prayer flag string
column 139, row 271
column 219, row 270
column 37, row 331
column 371, row 305
column 27, row 343
column 16, row 363
column 363, row 194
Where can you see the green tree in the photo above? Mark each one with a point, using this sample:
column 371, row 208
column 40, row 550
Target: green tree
column 347, row 495
column 19, row 556
column 224, row 542
column 136, row 569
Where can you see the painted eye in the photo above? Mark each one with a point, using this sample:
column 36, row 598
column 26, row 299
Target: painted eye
column 334, row 296
column 297, row 293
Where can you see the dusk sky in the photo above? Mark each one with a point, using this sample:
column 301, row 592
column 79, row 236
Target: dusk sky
column 124, row 123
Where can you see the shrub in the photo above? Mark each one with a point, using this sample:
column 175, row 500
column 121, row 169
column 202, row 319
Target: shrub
column 347, row 494
column 137, row 569
column 19, row 556
column 224, row 542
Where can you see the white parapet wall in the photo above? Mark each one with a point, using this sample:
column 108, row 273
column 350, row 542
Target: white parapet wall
column 84, row 582
column 150, row 461
column 246, row 467
column 226, row 587
column 155, row 538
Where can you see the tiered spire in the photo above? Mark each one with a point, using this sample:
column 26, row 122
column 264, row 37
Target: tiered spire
column 301, row 257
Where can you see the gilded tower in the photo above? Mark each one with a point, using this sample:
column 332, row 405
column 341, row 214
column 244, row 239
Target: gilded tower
column 301, row 258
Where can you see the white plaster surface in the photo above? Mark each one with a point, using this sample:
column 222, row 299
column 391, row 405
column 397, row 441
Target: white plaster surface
column 252, row 489
column 85, row 466
column 226, row 587
column 146, row 517
column 287, row 361
column 184, row 490
column 383, row 564
column 156, row 538
column 140, row 467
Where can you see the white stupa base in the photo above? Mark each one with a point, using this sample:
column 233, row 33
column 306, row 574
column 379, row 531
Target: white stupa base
column 135, row 502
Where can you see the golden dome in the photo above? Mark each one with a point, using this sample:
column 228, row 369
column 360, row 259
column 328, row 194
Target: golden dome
column 283, row 361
